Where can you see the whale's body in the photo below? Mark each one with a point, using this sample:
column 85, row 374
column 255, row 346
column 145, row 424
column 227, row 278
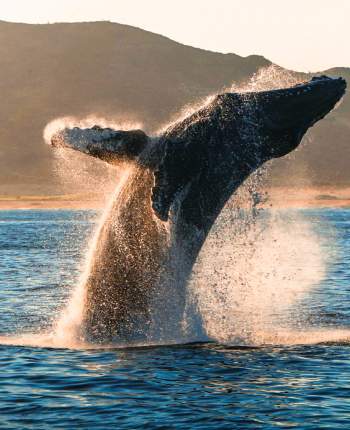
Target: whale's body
column 174, row 188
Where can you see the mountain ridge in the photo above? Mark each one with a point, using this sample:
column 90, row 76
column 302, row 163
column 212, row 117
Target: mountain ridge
column 124, row 73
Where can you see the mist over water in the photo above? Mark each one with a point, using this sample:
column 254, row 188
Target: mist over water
column 253, row 276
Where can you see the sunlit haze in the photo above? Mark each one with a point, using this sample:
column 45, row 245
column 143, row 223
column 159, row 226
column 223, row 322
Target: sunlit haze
column 302, row 35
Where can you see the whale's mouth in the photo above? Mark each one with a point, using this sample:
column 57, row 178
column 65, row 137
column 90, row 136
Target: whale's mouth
column 301, row 106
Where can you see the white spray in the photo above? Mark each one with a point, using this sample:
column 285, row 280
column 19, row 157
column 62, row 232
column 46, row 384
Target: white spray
column 251, row 275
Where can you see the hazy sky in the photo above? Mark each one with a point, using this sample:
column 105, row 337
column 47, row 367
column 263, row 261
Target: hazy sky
column 306, row 35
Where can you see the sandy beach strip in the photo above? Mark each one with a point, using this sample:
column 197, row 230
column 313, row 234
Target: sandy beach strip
column 70, row 201
column 278, row 197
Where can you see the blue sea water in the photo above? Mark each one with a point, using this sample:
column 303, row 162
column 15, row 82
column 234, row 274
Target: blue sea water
column 197, row 386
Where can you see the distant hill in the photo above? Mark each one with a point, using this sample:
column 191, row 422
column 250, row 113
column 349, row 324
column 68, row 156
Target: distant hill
column 124, row 73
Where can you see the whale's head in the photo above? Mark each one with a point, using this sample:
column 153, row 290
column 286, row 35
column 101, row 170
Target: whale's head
column 211, row 152
column 284, row 115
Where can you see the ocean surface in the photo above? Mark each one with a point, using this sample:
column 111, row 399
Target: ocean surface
column 213, row 385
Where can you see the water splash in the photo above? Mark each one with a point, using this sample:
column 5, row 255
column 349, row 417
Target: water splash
column 256, row 267
column 268, row 78
column 252, row 273
column 185, row 112
column 67, row 329
column 78, row 173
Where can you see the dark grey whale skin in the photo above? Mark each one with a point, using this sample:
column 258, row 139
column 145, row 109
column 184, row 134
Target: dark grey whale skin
column 177, row 186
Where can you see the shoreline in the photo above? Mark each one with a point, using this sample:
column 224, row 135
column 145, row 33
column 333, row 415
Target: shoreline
column 277, row 197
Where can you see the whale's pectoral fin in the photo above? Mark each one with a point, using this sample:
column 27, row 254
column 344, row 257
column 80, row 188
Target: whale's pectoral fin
column 105, row 143
column 177, row 169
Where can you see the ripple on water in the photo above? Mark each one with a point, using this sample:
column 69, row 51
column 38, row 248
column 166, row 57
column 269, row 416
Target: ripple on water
column 201, row 386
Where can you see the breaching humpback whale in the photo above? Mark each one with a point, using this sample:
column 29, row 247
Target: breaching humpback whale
column 176, row 187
